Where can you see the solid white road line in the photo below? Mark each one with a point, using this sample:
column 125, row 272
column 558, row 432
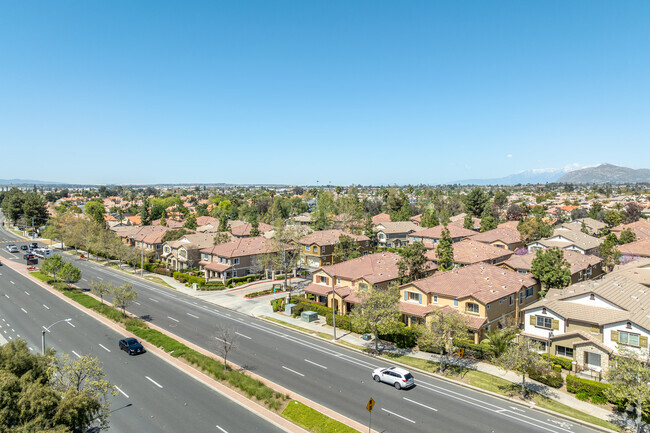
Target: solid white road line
column 136, row 303
column 398, row 416
column 317, row 365
column 24, row 310
column 154, row 382
column 121, row 392
column 242, row 335
column 70, row 323
column 76, row 354
column 104, row 347
column 420, row 404
column 13, row 283
column 46, row 307
column 154, row 300
column 293, row 371
column 516, row 408
column 192, row 315
column 6, row 296
column 222, row 429
column 171, row 318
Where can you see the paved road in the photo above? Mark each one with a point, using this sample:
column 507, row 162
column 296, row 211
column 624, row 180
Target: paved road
column 154, row 396
column 329, row 374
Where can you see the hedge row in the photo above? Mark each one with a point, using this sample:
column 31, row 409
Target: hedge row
column 587, row 389
column 564, row 362
column 187, row 278
column 551, row 378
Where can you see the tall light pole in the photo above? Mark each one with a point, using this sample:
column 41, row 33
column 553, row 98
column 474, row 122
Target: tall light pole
column 48, row 330
column 548, row 348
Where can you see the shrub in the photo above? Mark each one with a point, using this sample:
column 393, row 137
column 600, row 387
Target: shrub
column 477, row 351
column 547, row 377
column 277, row 304
column 564, row 362
column 598, row 399
column 592, row 388
column 582, row 396
column 403, row 337
column 212, row 285
column 557, row 367
column 244, row 279
column 162, row 271
column 187, row 278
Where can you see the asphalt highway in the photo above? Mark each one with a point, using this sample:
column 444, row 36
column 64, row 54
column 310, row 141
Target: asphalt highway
column 154, row 396
column 329, row 374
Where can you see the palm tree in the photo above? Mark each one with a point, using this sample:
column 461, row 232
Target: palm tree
column 498, row 340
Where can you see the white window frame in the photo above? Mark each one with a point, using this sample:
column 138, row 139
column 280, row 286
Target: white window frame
column 627, row 341
column 236, row 261
column 544, row 320
column 455, row 302
column 469, row 307
column 435, row 299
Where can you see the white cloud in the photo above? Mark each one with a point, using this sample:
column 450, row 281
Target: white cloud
column 509, row 155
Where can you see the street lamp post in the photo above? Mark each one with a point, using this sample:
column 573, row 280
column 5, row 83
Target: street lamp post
column 48, row 330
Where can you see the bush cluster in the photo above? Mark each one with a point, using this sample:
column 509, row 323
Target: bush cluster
column 162, row 271
column 187, row 278
column 547, row 377
column 589, row 388
column 243, row 280
column 565, row 363
column 476, row 351
column 404, row 337
column 212, row 285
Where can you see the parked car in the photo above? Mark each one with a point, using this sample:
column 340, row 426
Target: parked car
column 28, row 256
column 396, row 376
column 43, row 253
column 12, row 248
column 131, row 346
column 24, row 247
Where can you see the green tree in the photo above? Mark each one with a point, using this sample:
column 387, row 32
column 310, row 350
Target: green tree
column 612, row 218
column 35, row 210
column 53, row 265
column 628, row 376
column 123, row 296
column 101, row 288
column 499, row 340
column 521, row 357
column 533, row 229
column 596, row 211
column 627, row 236
column 429, row 218
column 488, row 221
column 441, row 330
column 551, row 269
column 514, row 212
column 70, row 273
column 445, row 251
column 608, row 252
column 633, row 212
column 283, row 256
column 190, row 222
column 95, row 211
column 468, row 222
column 12, row 204
column 346, row 248
column 378, row 310
column 475, row 202
column 501, row 199
column 145, row 212
column 412, row 263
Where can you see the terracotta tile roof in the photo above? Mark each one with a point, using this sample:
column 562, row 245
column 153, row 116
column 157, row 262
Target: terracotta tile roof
column 639, row 248
column 242, row 247
column 135, row 219
column 381, row 218
column 467, row 252
column 460, row 222
column 417, row 219
column 578, row 262
column 637, row 270
column 215, row 266
column 245, row 229
column 482, row 281
column 512, row 225
column 640, row 228
column 415, row 309
column 329, row 237
column 203, row 220
column 506, row 235
column 318, row 289
column 436, row 232
column 582, row 334
column 374, row 268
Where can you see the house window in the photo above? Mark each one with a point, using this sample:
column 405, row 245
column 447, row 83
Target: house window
column 522, row 271
column 206, row 257
column 564, row 351
column 628, row 338
column 628, row 325
column 455, row 302
column 435, row 299
column 315, row 249
column 234, row 273
column 236, row 261
column 529, row 291
column 413, row 296
column 363, row 287
column 521, row 296
column 544, row 322
column 167, row 249
column 512, row 299
column 472, row 308
column 182, row 253
column 366, row 243
column 306, row 247
column 338, row 281
column 487, row 307
column 323, row 280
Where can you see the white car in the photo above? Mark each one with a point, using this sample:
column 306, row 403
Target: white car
column 12, row 248
column 396, row 376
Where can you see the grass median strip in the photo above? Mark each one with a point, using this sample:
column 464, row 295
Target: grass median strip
column 312, row 420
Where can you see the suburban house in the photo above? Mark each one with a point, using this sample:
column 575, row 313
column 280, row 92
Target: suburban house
column 636, row 270
column 501, row 238
column 244, row 230
column 568, row 239
column 486, row 294
column 318, row 247
column 185, row 252
column 303, row 219
column 236, row 258
column 590, row 225
column 640, row 228
column 582, row 266
column 431, row 236
column 640, row 248
column 591, row 321
column 147, row 238
column 467, row 252
column 380, row 218
column 394, row 234
column 459, row 221
column 342, row 280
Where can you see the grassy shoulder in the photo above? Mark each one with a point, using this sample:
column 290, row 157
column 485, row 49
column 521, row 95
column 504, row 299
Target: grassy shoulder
column 299, row 328
column 312, row 420
column 160, row 281
column 500, row 386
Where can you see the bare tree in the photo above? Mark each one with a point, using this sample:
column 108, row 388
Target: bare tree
column 101, row 288
column 227, row 341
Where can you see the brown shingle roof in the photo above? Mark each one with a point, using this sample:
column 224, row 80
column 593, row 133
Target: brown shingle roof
column 374, row 268
column 436, row 232
column 245, row 229
column 381, row 218
column 503, row 234
column 467, row 252
column 329, row 237
column 482, row 281
column 242, row 247
column 638, row 248
column 577, row 261
column 640, row 228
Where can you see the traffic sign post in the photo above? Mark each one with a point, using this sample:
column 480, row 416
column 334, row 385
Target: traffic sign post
column 369, row 406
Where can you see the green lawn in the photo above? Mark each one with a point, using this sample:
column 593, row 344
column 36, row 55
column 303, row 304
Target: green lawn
column 299, row 328
column 160, row 281
column 312, row 420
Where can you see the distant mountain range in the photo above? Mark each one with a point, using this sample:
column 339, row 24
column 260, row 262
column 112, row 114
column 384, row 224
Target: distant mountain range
column 603, row 173
column 27, row 182
column 607, row 173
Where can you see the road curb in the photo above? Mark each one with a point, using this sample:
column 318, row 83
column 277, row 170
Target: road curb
column 451, row 381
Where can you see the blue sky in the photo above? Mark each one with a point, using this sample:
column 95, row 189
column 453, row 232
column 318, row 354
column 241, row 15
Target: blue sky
column 369, row 92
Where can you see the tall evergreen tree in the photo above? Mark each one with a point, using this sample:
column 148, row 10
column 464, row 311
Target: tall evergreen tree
column 412, row 263
column 475, row 202
column 445, row 251
column 145, row 213
column 551, row 269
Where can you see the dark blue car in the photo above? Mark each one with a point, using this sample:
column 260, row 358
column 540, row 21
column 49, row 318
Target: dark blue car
column 131, row 346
